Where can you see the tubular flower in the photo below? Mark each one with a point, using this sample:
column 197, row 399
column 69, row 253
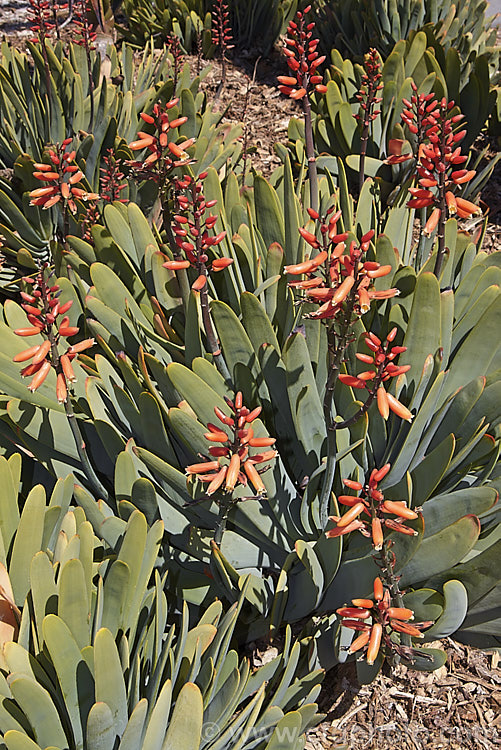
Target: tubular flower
column 111, row 185
column 378, row 622
column 220, row 27
column 165, row 154
column 63, row 177
column 44, row 311
column 395, row 146
column 303, row 60
column 381, row 360
column 231, row 463
column 337, row 272
column 191, row 229
column 370, row 85
column 84, row 33
column 38, row 16
column 439, row 160
column 369, row 512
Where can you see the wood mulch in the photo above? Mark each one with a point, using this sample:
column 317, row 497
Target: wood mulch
column 458, row 706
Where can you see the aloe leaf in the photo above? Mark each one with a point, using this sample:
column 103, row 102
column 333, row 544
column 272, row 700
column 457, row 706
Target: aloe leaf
column 410, row 443
column 286, row 735
column 426, row 659
column 474, row 313
column 197, row 393
column 455, row 609
column 43, row 588
column 159, row 719
column 257, row 323
column 27, row 542
column 426, row 604
column 222, row 704
column 440, row 551
column 423, row 332
column 110, row 686
column 429, row 471
column 73, row 605
column 442, row 510
column 185, row 727
column 16, row 740
column 133, row 735
column 306, row 408
column 236, row 345
column 269, row 218
column 117, row 587
column 477, row 349
column 9, row 514
column 75, row 680
column 101, row 729
column 39, row 709
column 292, row 216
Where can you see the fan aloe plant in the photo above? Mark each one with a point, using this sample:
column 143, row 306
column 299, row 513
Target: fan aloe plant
column 94, row 657
column 354, row 26
column 243, row 375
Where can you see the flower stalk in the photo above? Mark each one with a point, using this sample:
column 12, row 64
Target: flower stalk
column 231, row 464
column 300, row 49
column 43, row 309
column 368, row 99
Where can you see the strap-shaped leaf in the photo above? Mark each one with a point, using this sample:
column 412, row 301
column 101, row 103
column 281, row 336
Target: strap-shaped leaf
column 27, row 542
column 110, row 686
column 455, row 609
column 101, row 727
column 185, row 727
column 442, row 550
column 39, row 709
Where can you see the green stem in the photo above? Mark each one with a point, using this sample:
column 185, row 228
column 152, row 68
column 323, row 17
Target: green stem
column 212, row 339
column 222, row 518
column 181, row 275
column 363, row 151
column 441, row 228
column 310, row 153
column 82, row 452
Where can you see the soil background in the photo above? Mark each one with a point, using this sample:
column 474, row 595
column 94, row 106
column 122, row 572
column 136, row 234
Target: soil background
column 457, row 706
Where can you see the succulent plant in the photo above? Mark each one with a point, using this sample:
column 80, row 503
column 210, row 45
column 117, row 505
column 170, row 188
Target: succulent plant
column 96, row 657
column 354, row 26
column 411, row 63
column 163, row 376
column 237, row 370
